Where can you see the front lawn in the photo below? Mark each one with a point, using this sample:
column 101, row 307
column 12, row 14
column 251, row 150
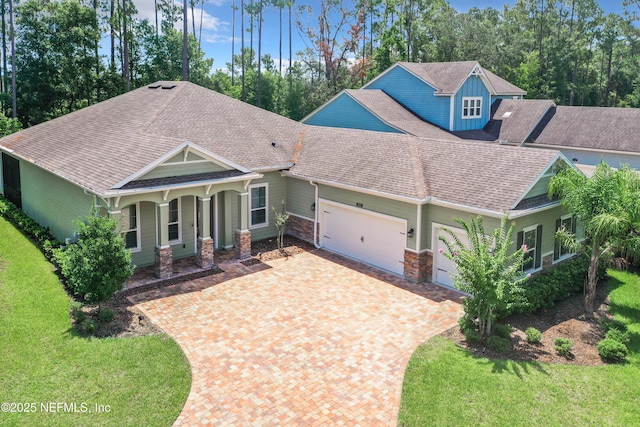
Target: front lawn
column 445, row 385
column 53, row 377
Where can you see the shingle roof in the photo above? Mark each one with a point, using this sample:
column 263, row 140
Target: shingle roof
column 600, row 128
column 447, row 77
column 512, row 120
column 101, row 145
column 394, row 114
column 474, row 174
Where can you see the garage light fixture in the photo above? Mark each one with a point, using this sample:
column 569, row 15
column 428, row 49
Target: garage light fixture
column 410, row 232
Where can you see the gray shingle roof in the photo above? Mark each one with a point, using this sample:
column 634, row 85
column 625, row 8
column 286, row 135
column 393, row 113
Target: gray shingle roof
column 101, row 145
column 474, row 174
column 394, row 114
column 512, row 120
column 447, row 77
column 600, row 128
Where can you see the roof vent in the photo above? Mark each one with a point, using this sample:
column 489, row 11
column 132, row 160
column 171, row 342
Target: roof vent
column 506, row 115
column 154, row 86
column 167, row 87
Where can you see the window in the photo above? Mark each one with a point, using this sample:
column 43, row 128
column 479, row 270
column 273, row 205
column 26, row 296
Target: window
column 174, row 221
column 130, row 228
column 471, row 107
column 258, row 213
column 568, row 223
column 532, row 238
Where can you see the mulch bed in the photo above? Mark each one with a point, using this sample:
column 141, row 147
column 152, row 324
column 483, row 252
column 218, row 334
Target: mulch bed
column 565, row 320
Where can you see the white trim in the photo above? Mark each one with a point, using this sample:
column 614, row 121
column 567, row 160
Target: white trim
column 179, row 223
column 216, row 218
column 434, row 244
column 452, row 112
column 138, row 228
column 568, row 147
column 525, row 230
column 418, row 229
column 195, row 223
column 184, row 147
column 569, row 254
column 300, row 216
column 266, row 205
column 471, row 110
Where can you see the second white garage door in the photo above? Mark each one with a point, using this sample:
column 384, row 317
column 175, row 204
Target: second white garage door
column 370, row 237
column 444, row 269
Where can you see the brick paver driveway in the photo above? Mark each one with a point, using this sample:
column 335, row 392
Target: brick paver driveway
column 313, row 339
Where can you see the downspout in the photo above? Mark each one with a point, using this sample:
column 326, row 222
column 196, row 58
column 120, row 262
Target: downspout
column 315, row 220
column 419, row 229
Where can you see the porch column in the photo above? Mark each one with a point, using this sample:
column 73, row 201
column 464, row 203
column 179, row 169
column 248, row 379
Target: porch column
column 204, row 254
column 242, row 234
column 116, row 215
column 163, row 252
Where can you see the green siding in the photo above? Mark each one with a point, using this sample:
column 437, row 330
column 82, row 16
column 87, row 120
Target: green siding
column 187, row 246
column 51, row 201
column 300, row 196
column 372, row 203
column 276, row 194
column 182, row 169
column 425, row 230
column 446, row 216
column 147, row 220
column 546, row 218
column 472, row 87
column 539, row 188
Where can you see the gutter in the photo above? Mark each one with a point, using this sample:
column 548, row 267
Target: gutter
column 315, row 219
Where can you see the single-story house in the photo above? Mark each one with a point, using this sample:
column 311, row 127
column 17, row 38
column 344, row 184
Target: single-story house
column 462, row 100
column 186, row 170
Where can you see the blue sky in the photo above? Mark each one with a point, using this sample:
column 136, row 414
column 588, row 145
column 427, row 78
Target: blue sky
column 217, row 28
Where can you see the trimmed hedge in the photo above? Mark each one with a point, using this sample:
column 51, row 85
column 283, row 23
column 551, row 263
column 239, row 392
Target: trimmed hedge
column 40, row 235
column 556, row 283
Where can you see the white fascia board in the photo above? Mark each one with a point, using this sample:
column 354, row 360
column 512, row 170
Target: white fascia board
column 335, row 184
column 595, row 150
column 118, row 192
column 465, row 208
column 195, row 148
column 558, row 156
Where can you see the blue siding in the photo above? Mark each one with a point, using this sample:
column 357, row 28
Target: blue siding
column 472, row 87
column 414, row 94
column 345, row 112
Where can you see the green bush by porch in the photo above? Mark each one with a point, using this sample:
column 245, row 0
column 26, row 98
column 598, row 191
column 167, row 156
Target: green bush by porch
column 445, row 385
column 145, row 380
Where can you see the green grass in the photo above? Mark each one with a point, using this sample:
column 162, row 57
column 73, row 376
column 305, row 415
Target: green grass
column 143, row 380
column 446, row 386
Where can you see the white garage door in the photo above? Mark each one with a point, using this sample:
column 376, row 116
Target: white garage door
column 373, row 238
column 444, row 268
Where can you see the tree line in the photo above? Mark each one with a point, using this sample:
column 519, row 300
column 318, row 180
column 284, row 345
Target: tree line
column 55, row 60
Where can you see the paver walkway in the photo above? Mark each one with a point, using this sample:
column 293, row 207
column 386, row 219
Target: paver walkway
column 312, row 339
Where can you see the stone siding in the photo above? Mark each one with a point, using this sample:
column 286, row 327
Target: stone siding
column 164, row 262
column 418, row 267
column 243, row 244
column 204, row 255
column 300, row 228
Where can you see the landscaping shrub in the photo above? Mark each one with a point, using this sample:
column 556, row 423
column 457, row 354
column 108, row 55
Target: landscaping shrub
column 76, row 312
column 612, row 350
column 27, row 226
column 609, row 324
column 618, row 335
column 499, row 344
column 554, row 284
column 473, row 335
column 564, row 346
column 503, row 331
column 106, row 315
column 534, row 336
column 88, row 326
column 466, row 323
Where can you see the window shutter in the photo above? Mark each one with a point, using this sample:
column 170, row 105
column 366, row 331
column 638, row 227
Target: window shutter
column 519, row 239
column 556, row 246
column 539, row 247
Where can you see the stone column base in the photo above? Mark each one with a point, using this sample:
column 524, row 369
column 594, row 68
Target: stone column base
column 243, row 244
column 418, row 267
column 164, row 262
column 204, row 254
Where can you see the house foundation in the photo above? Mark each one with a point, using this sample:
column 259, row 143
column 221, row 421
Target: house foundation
column 299, row 227
column 164, row 262
column 243, row 244
column 418, row 267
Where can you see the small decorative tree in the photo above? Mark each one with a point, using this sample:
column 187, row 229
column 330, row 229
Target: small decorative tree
column 98, row 264
column 280, row 222
column 487, row 270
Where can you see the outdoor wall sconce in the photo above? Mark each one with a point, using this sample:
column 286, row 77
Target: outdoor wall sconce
column 313, row 206
column 410, row 233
